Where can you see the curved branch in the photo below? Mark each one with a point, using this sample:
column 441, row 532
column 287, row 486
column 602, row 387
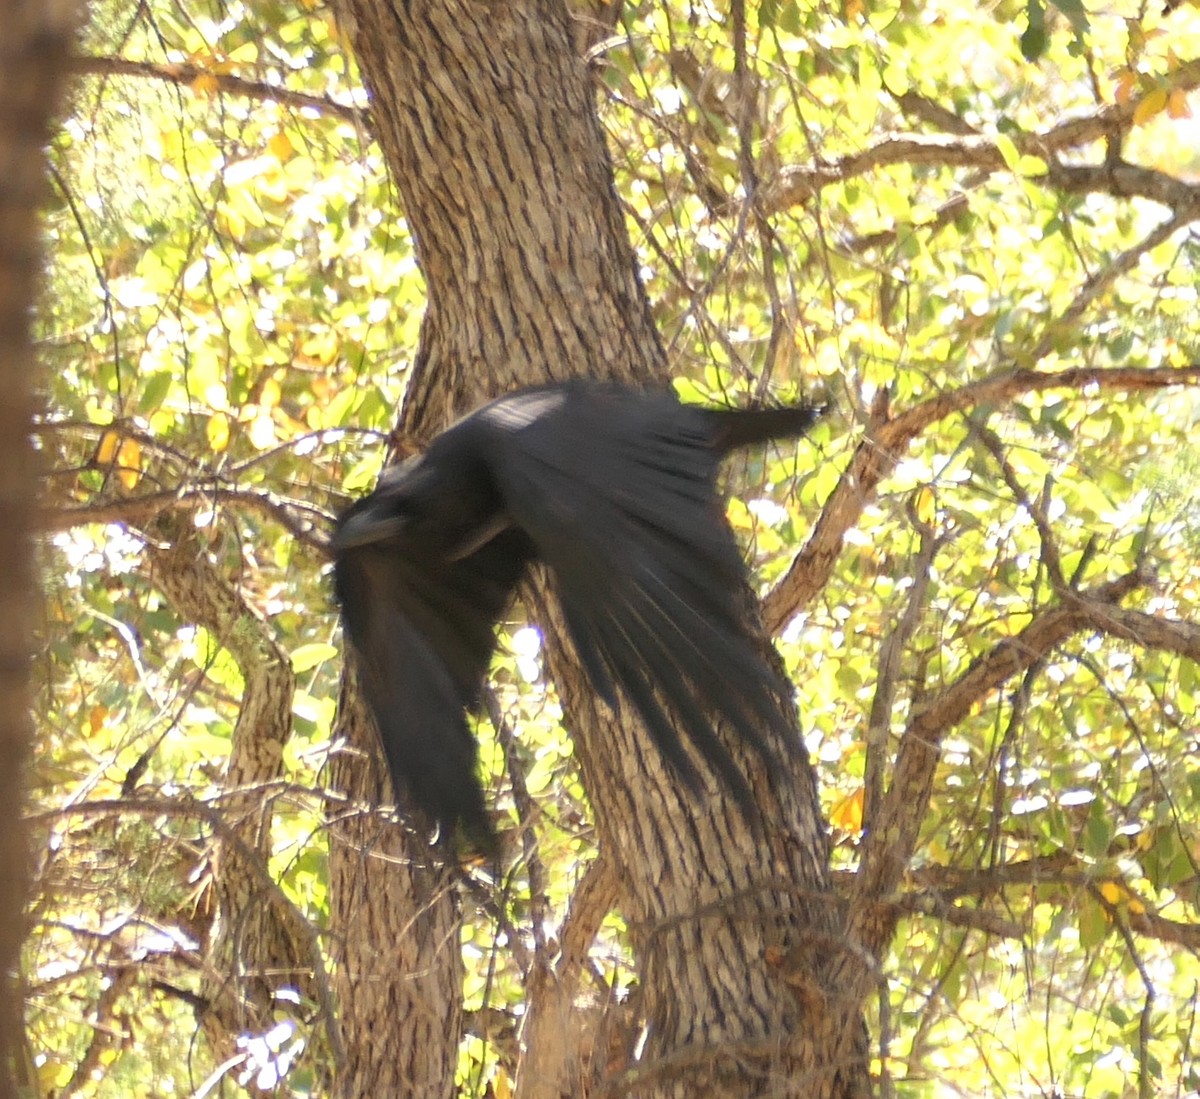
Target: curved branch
column 1094, row 286
column 942, row 885
column 886, row 441
column 186, row 74
column 1148, row 630
column 299, row 520
column 889, row 846
column 796, row 184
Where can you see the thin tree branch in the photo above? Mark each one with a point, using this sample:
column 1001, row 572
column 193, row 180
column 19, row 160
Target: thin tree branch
column 186, row 75
column 796, row 184
column 889, row 846
column 215, row 819
column 886, row 441
column 300, row 520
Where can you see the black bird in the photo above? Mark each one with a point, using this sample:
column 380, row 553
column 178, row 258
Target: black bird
column 613, row 488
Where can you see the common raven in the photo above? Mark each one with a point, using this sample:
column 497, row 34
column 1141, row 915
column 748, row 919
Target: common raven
column 611, row 487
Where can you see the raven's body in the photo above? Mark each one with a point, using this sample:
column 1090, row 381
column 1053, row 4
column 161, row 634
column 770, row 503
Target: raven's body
column 614, row 490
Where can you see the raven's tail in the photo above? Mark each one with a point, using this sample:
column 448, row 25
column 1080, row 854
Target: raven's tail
column 737, row 427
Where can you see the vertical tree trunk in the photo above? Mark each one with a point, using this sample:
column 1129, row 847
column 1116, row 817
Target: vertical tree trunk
column 487, row 118
column 395, row 929
column 34, row 36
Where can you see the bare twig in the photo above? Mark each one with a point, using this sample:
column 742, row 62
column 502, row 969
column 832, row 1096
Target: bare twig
column 185, row 75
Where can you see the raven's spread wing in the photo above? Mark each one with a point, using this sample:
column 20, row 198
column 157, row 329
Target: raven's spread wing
column 424, row 632
column 616, row 492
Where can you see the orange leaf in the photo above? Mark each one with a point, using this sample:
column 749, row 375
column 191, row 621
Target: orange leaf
column 1126, row 83
column 847, row 814
column 1177, row 104
column 281, row 145
column 96, row 716
column 106, row 452
column 926, row 505
column 1111, row 892
column 206, row 85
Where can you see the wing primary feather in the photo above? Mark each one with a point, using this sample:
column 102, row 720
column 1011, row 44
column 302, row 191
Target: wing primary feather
column 424, row 633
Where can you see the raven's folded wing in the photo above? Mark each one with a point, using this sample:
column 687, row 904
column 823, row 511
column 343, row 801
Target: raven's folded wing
column 616, row 492
column 424, row 632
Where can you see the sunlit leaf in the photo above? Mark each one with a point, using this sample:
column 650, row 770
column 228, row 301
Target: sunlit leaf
column 1152, row 103
column 847, row 814
column 217, row 431
column 305, row 657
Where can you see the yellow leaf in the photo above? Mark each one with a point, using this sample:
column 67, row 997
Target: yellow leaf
column 1153, row 103
column 321, row 347
column 231, row 222
column 245, row 54
column 926, row 505
column 281, row 145
column 847, row 814
column 1111, row 892
column 218, row 431
column 738, row 514
column 106, row 452
column 269, row 397
column 501, row 1085
column 54, row 1074
column 129, row 463
column 205, row 85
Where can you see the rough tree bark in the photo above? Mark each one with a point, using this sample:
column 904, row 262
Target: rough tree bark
column 255, row 943
column 33, row 48
column 486, row 116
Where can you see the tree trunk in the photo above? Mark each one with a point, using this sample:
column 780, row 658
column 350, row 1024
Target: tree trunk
column 33, row 49
column 487, row 119
column 395, row 925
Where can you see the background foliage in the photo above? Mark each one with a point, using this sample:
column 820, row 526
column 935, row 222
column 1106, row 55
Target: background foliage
column 859, row 201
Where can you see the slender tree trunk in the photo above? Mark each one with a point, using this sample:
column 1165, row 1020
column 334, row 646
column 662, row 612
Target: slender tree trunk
column 256, row 943
column 487, row 119
column 34, row 37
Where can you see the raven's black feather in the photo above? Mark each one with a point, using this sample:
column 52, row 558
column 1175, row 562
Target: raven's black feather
column 613, row 489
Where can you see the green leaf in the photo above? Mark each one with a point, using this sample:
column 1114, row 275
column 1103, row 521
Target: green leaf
column 309, row 656
column 1093, row 923
column 1033, row 40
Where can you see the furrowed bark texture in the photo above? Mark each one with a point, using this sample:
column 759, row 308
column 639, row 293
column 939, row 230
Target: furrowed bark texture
column 395, row 926
column 256, row 944
column 487, row 119
column 34, row 39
